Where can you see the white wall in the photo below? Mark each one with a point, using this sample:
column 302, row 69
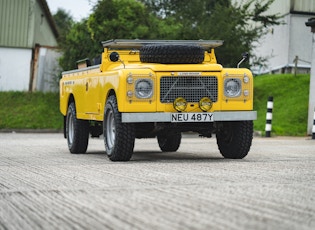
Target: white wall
column 301, row 40
column 46, row 77
column 274, row 46
column 311, row 104
column 284, row 42
column 15, row 69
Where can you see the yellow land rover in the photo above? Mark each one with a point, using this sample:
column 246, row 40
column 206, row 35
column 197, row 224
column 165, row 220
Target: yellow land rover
column 157, row 89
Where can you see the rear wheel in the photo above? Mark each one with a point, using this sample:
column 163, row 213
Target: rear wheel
column 119, row 138
column 169, row 143
column 77, row 131
column 234, row 138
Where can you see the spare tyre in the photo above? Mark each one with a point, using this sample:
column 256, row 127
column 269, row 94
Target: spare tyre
column 172, row 54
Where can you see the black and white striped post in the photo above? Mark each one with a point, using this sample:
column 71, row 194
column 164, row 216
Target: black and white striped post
column 313, row 129
column 269, row 116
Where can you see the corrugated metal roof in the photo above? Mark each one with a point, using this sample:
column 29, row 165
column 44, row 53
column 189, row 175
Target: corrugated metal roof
column 17, row 22
column 284, row 7
column 14, row 22
column 307, row 6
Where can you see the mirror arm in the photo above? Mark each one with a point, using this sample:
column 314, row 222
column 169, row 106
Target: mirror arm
column 245, row 56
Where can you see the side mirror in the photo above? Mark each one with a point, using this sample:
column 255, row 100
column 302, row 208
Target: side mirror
column 245, row 55
column 114, row 56
column 244, row 58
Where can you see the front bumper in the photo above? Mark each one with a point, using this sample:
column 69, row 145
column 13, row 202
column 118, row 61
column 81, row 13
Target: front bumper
column 167, row 117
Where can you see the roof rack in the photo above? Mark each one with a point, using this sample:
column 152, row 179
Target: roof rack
column 137, row 43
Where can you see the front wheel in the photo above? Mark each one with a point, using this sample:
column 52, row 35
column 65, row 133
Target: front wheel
column 169, row 143
column 234, row 138
column 77, row 131
column 119, row 138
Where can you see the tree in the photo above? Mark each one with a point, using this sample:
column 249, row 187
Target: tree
column 113, row 19
column 65, row 26
column 239, row 25
column 64, row 22
column 77, row 45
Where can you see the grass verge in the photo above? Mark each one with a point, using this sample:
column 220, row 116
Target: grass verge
column 290, row 98
column 23, row 110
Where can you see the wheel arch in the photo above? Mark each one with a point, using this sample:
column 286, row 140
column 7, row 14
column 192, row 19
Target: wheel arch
column 110, row 92
column 71, row 99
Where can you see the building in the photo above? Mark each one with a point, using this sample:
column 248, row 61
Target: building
column 311, row 103
column 28, row 46
column 287, row 46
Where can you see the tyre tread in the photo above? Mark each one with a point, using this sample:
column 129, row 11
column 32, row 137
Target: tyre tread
column 172, row 54
column 241, row 141
column 124, row 141
column 169, row 143
column 81, row 133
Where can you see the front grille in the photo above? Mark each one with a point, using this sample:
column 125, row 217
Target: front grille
column 192, row 88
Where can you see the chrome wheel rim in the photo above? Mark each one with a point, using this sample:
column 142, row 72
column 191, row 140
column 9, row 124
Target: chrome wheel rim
column 110, row 129
column 70, row 128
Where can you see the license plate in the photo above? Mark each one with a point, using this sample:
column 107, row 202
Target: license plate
column 192, row 117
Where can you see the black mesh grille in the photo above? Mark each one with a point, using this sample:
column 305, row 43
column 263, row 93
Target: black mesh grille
column 192, row 88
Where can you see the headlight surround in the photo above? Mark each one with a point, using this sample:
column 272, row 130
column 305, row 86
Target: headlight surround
column 144, row 88
column 232, row 87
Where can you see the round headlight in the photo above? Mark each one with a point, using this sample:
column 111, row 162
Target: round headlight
column 144, row 88
column 232, row 87
column 180, row 104
column 205, row 104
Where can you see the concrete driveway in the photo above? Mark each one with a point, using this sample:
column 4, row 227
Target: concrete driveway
column 43, row 186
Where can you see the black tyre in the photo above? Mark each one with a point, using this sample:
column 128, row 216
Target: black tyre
column 169, row 143
column 234, row 138
column 119, row 138
column 77, row 131
column 172, row 54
